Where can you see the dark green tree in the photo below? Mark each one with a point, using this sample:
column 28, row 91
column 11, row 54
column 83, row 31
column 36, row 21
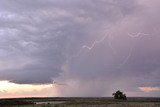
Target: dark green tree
column 119, row 95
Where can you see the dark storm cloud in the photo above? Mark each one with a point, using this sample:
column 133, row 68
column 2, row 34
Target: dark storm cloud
column 91, row 44
column 37, row 37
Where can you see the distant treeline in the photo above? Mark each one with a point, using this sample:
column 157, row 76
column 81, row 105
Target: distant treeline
column 8, row 102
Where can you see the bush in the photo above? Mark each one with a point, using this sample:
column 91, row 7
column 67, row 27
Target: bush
column 119, row 95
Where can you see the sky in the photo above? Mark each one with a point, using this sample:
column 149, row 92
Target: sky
column 88, row 48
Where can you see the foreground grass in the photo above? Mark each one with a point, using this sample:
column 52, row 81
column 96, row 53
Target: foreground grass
column 99, row 105
column 90, row 102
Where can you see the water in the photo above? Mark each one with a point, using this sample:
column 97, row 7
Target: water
column 50, row 102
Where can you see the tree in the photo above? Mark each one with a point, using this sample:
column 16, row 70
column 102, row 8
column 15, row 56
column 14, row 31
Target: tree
column 119, row 95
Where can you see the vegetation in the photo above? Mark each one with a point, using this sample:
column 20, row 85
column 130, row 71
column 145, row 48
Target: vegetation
column 8, row 102
column 84, row 102
column 119, row 95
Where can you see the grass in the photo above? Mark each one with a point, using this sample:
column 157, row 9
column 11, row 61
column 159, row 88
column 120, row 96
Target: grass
column 83, row 102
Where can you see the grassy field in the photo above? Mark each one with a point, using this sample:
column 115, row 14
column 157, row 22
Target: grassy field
column 80, row 102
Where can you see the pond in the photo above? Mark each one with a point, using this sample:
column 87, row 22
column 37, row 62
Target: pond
column 50, row 102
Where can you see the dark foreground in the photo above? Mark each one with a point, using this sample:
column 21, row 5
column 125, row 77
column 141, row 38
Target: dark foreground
column 79, row 102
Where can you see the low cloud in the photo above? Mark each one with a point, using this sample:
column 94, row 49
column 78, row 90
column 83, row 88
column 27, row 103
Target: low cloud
column 149, row 89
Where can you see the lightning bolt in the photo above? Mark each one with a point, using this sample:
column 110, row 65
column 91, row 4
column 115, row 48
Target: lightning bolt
column 127, row 58
column 95, row 43
column 99, row 41
column 88, row 47
column 130, row 52
column 137, row 35
column 106, row 35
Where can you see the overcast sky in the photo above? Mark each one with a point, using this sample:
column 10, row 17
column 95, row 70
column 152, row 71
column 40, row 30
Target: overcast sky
column 90, row 47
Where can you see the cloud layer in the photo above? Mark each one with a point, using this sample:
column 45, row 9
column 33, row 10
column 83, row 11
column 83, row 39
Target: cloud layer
column 100, row 45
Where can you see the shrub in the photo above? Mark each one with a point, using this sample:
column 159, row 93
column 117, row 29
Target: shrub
column 119, row 95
